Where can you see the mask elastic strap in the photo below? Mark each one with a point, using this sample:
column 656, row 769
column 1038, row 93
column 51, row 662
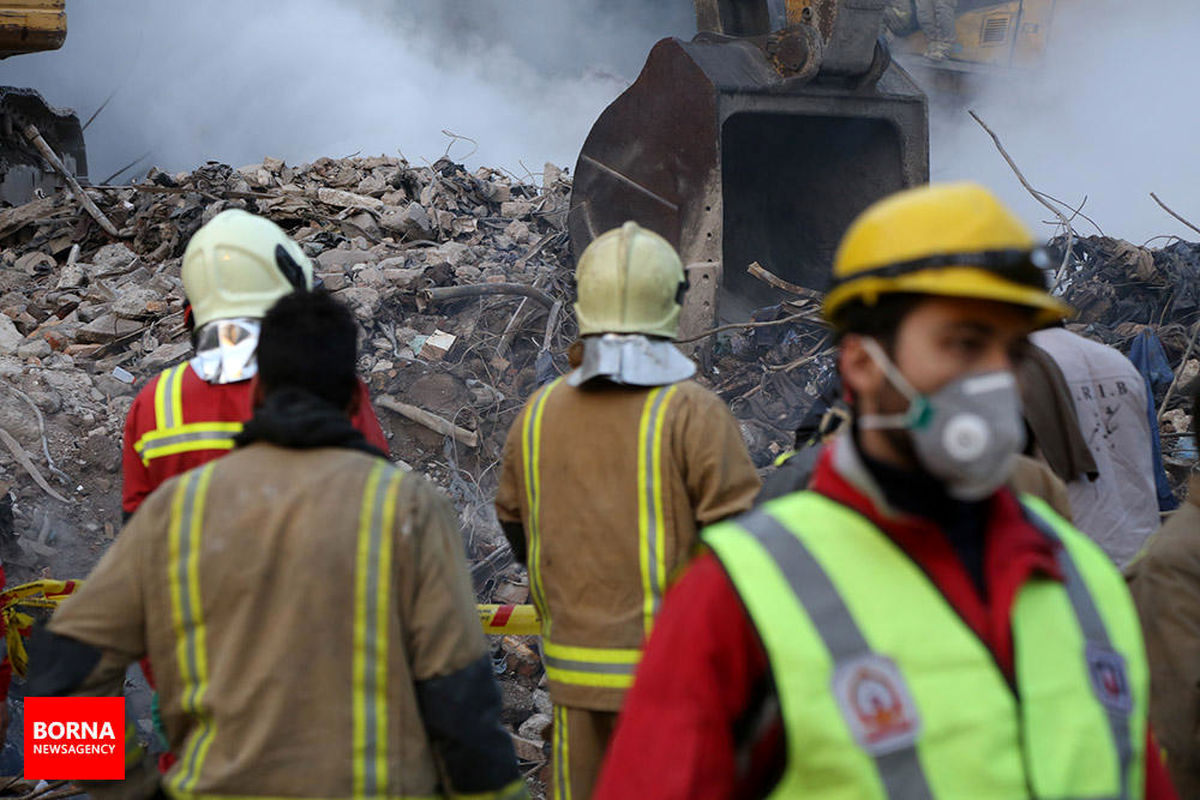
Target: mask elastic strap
column 897, row 379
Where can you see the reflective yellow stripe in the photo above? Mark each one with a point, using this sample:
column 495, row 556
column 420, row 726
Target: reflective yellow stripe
column 372, row 607
column 595, row 680
column 784, row 457
column 133, row 748
column 597, row 655
column 164, row 398
column 187, row 438
column 168, row 398
column 606, row 667
column 170, row 435
column 158, row 434
column 531, row 443
column 562, row 755
column 177, row 393
column 651, row 517
column 187, row 516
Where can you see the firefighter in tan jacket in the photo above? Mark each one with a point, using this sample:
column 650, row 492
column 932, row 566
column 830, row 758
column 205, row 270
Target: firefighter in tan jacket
column 607, row 475
column 306, row 606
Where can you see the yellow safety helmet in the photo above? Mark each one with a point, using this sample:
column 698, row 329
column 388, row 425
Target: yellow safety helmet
column 629, row 281
column 238, row 265
column 953, row 240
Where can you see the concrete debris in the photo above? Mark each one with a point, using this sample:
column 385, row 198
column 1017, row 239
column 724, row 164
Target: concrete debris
column 437, row 346
column 82, row 330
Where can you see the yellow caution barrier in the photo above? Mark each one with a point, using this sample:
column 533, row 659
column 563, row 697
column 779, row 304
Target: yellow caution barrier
column 506, row 620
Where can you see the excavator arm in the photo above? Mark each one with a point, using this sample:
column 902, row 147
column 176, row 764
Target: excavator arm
column 754, row 142
column 31, row 26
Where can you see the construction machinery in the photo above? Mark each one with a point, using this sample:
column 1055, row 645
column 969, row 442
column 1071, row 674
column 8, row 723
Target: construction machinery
column 32, row 26
column 755, row 142
column 992, row 38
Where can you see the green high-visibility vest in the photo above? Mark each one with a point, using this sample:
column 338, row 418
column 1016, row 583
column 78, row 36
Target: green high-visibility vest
column 886, row 693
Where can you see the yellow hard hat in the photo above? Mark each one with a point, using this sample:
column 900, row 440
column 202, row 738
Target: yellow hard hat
column 238, row 265
column 954, row 240
column 629, row 281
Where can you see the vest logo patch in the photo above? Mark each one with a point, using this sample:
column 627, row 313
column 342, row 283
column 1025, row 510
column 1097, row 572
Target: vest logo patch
column 876, row 704
column 1110, row 678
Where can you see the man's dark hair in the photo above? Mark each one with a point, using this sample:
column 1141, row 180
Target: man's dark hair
column 309, row 341
column 880, row 321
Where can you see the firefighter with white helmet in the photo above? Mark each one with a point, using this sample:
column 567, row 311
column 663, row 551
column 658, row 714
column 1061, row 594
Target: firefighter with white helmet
column 234, row 269
column 607, row 476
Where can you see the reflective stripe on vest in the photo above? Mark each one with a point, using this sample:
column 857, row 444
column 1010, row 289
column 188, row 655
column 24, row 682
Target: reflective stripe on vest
column 886, row 693
column 373, row 606
column 171, row 435
column 602, row 666
column 187, row 616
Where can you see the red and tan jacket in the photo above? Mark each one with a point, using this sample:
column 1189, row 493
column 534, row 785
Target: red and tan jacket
column 611, row 484
column 179, row 421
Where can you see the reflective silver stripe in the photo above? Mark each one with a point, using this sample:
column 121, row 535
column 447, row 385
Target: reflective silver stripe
column 653, row 502
column 1096, row 634
column 562, row 754
column 172, row 377
column 598, row 667
column 151, row 445
column 900, row 771
column 374, row 649
column 192, row 625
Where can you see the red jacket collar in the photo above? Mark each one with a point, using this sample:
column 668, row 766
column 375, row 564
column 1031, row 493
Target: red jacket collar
column 1014, row 549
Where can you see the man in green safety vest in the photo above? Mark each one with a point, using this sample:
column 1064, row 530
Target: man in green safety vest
column 908, row 627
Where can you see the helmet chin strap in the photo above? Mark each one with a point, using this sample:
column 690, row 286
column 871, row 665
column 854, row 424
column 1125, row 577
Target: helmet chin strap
column 916, row 401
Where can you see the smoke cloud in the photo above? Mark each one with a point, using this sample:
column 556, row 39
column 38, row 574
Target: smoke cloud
column 236, row 81
column 1110, row 115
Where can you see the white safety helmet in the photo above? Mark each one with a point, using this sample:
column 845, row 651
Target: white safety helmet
column 238, row 265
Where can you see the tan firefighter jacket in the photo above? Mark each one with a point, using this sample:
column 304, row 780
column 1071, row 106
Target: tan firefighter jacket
column 611, row 484
column 289, row 600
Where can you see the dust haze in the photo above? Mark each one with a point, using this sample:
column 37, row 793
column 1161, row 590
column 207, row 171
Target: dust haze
column 235, row 81
column 1111, row 115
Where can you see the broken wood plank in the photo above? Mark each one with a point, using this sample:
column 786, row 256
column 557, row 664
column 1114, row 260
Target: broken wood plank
column 429, row 420
column 25, row 461
column 35, row 138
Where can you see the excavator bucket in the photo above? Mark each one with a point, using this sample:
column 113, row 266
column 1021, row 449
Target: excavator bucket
column 754, row 149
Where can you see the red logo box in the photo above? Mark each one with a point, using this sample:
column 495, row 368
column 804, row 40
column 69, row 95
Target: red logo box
column 74, row 738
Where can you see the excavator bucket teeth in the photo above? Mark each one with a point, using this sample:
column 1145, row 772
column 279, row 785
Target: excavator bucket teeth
column 734, row 161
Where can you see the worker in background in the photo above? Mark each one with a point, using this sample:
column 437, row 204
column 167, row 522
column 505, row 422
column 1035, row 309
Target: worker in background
column 607, row 476
column 1165, row 581
column 1118, row 509
column 306, row 605
column 937, row 19
column 234, row 268
column 908, row 627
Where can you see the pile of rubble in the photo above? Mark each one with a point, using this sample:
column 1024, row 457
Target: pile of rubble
column 87, row 318
column 1114, row 284
column 462, row 283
